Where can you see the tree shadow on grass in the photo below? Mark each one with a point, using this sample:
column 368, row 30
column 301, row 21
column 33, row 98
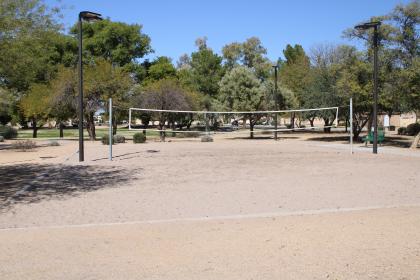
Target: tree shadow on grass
column 333, row 138
column 389, row 141
column 31, row 183
column 5, row 146
column 271, row 138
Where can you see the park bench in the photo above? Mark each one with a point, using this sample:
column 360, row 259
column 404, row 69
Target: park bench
column 369, row 137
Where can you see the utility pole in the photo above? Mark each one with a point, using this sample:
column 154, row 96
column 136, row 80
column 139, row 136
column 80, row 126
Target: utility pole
column 81, row 144
column 375, row 25
column 276, row 101
column 88, row 16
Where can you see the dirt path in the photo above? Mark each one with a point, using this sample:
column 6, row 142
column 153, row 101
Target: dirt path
column 375, row 244
column 231, row 209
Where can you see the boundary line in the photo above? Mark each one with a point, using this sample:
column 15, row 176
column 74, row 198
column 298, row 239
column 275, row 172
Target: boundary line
column 217, row 218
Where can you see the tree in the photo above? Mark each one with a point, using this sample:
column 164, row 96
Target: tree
column 28, row 31
column 206, row 70
column 160, row 68
column 101, row 82
column 398, row 50
column 164, row 94
column 412, row 97
column 322, row 91
column 117, row 42
column 355, row 80
column 296, row 74
column 34, row 105
column 31, row 47
column 405, row 36
column 251, row 54
column 240, row 90
column 63, row 101
column 232, row 54
column 6, row 105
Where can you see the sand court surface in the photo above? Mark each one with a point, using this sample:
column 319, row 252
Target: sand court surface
column 230, row 209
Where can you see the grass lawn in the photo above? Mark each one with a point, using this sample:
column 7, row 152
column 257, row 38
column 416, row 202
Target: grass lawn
column 73, row 133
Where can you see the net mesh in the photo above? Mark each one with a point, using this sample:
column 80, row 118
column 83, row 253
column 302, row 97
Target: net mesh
column 184, row 123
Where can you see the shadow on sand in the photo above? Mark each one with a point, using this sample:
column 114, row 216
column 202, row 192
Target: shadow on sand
column 30, row 183
column 389, row 141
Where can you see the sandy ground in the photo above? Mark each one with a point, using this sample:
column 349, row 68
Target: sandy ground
column 231, row 209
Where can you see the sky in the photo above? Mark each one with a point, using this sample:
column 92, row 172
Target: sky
column 174, row 25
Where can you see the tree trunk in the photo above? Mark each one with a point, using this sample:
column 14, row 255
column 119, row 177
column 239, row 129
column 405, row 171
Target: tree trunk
column 90, row 126
column 357, row 127
column 311, row 121
column 327, row 125
column 292, row 120
column 35, row 128
column 347, row 124
column 173, row 129
column 370, row 122
column 114, row 126
column 61, row 126
column 162, row 134
column 251, row 127
column 415, row 142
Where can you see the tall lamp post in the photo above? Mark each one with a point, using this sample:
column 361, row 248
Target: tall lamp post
column 375, row 25
column 276, row 100
column 87, row 16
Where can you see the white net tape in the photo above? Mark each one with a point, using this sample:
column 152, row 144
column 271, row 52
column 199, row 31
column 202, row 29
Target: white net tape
column 200, row 115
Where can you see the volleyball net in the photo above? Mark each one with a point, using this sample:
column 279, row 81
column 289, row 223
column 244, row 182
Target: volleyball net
column 189, row 123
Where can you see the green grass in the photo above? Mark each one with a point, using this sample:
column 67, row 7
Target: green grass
column 73, row 133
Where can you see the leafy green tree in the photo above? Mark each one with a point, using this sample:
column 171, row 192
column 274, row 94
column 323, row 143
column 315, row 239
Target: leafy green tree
column 322, row 91
column 206, row 70
column 295, row 73
column 63, row 103
column 405, row 33
column 117, row 42
column 241, row 90
column 160, row 68
column 411, row 98
column 101, row 82
column 34, row 105
column 28, row 32
column 232, row 54
column 31, row 47
column 164, row 94
column 399, row 48
column 355, row 80
column 6, row 105
column 251, row 54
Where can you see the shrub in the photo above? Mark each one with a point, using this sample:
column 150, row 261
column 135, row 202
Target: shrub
column 402, row 130
column 8, row 132
column 392, row 128
column 206, row 138
column 105, row 140
column 266, row 132
column 119, row 139
column 194, row 134
column 1, row 139
column 413, row 129
column 139, row 138
column 53, row 143
column 24, row 145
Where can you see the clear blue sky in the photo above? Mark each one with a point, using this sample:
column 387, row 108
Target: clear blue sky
column 173, row 25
